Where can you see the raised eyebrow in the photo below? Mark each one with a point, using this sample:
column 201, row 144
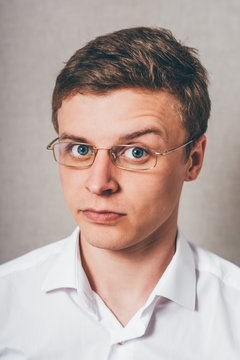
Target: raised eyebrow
column 139, row 133
column 77, row 139
column 122, row 138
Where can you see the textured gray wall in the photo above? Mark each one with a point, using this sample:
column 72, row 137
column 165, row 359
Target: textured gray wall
column 36, row 38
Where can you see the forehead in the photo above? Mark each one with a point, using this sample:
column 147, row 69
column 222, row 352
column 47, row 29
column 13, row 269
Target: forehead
column 119, row 112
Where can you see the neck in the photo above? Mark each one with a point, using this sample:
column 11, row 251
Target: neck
column 124, row 279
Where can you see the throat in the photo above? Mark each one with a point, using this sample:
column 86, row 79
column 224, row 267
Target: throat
column 123, row 286
column 123, row 308
column 124, row 281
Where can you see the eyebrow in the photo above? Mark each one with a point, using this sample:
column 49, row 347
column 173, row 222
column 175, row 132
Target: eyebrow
column 66, row 136
column 139, row 133
column 131, row 136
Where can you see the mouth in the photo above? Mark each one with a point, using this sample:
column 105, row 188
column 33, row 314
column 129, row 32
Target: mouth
column 102, row 216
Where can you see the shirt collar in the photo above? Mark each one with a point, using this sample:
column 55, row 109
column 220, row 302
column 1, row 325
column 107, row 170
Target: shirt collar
column 67, row 273
column 62, row 273
column 178, row 283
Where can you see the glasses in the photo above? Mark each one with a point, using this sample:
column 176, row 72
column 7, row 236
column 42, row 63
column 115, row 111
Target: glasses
column 135, row 157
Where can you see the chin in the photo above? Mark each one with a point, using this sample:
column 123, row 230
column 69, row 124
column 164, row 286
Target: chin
column 106, row 237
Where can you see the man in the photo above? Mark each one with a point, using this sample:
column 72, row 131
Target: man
column 131, row 110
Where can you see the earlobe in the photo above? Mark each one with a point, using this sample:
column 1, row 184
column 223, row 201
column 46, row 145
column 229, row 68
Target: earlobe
column 195, row 160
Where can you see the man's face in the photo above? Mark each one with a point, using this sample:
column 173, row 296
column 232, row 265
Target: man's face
column 119, row 209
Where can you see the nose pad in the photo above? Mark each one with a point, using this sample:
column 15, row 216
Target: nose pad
column 113, row 156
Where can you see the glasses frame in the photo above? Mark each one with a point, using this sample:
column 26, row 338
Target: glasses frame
column 51, row 145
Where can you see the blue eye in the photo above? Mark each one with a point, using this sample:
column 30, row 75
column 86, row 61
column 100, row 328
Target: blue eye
column 81, row 150
column 135, row 153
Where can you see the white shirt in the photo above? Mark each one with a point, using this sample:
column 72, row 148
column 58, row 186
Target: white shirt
column 48, row 310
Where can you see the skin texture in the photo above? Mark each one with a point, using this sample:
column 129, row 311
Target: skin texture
column 140, row 224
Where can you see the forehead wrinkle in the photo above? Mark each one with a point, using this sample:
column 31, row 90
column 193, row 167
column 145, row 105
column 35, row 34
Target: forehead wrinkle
column 140, row 133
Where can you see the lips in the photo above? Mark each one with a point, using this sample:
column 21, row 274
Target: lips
column 102, row 216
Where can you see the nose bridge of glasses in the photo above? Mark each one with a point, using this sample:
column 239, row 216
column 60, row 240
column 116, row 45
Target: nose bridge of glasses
column 110, row 151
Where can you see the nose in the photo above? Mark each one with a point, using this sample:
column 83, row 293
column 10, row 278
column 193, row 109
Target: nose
column 100, row 180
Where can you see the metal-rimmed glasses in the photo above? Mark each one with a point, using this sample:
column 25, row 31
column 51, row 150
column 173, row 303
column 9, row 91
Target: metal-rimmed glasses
column 135, row 157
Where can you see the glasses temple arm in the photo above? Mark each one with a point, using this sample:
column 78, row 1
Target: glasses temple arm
column 179, row 147
column 49, row 147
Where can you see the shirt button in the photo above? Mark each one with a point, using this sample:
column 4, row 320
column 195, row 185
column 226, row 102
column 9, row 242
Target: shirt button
column 120, row 343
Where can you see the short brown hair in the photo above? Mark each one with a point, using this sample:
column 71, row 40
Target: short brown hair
column 141, row 57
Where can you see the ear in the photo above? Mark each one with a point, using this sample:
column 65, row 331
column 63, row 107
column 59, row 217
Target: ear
column 195, row 161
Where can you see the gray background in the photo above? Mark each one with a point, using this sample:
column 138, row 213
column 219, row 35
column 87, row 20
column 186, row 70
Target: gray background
column 37, row 36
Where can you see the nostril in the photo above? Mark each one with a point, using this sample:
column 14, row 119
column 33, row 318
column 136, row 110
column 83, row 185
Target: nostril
column 111, row 190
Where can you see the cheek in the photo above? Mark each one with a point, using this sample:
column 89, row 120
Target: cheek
column 71, row 182
column 157, row 192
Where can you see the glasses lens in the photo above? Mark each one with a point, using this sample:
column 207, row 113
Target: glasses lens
column 75, row 155
column 134, row 157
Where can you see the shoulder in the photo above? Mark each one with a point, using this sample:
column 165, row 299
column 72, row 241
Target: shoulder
column 215, row 267
column 32, row 259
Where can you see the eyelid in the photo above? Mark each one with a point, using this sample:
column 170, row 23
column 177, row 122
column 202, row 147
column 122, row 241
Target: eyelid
column 129, row 146
column 74, row 143
column 136, row 144
column 70, row 145
column 115, row 148
column 145, row 147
